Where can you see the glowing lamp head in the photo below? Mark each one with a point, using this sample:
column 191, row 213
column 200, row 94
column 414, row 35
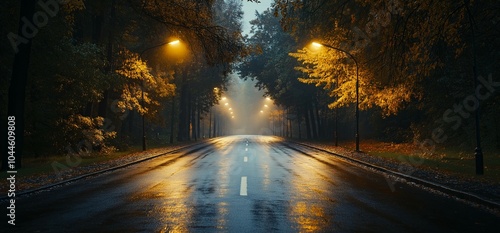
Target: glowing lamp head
column 174, row 42
column 316, row 44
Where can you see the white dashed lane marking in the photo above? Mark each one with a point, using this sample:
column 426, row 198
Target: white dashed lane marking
column 243, row 186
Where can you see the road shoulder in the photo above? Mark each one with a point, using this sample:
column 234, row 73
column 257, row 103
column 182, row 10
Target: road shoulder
column 475, row 191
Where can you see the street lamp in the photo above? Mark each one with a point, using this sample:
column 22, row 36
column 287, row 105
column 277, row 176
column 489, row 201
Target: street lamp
column 174, row 42
column 215, row 125
column 142, row 88
column 478, row 152
column 316, row 44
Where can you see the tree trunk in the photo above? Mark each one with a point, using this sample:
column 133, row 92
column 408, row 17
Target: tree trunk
column 183, row 115
column 88, row 109
column 202, row 125
column 283, row 124
column 198, row 121
column 103, row 104
column 315, row 114
column 308, row 123
column 290, row 128
column 17, row 88
column 210, row 124
column 131, row 122
column 214, row 134
column 299, row 121
column 190, row 123
column 313, row 123
column 194, row 123
column 172, row 120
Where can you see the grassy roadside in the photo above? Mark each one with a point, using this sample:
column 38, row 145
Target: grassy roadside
column 45, row 165
column 37, row 172
column 42, row 165
column 447, row 160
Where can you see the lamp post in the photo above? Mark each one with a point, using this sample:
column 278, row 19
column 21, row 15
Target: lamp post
column 142, row 89
column 478, row 152
column 336, row 136
column 357, row 86
column 214, row 134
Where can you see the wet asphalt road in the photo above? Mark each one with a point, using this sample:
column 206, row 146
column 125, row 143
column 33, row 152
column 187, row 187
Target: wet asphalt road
column 245, row 184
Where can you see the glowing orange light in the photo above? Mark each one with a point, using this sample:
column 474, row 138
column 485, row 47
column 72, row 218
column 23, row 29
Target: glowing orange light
column 174, row 42
column 316, row 44
column 176, row 51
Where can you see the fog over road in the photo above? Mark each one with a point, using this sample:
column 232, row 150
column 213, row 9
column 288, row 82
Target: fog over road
column 245, row 184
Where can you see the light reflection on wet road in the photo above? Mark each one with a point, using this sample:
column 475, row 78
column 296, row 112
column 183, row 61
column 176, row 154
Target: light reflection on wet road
column 287, row 191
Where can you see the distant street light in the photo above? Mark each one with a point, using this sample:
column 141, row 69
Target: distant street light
column 142, row 88
column 220, row 124
column 316, row 44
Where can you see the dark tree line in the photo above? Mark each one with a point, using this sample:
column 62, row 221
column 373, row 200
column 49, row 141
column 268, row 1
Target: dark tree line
column 415, row 61
column 95, row 69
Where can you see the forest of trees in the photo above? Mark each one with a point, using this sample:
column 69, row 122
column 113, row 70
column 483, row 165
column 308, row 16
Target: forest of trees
column 87, row 75
column 417, row 62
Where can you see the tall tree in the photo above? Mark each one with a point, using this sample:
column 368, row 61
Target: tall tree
column 404, row 50
column 21, row 43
